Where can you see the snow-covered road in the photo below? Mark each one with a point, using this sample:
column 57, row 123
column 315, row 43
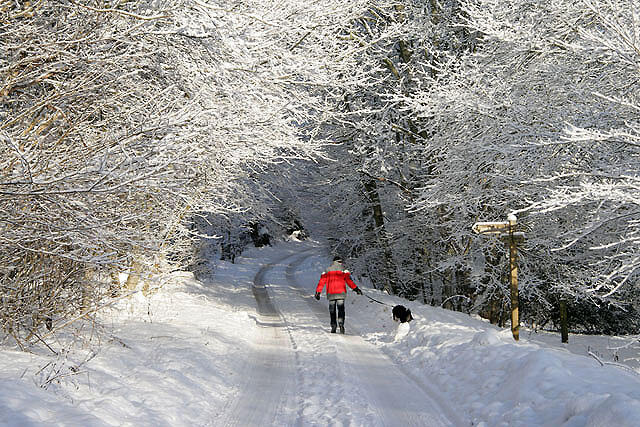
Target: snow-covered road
column 300, row 374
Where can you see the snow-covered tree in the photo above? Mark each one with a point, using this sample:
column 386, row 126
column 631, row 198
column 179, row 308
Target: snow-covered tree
column 501, row 107
column 119, row 122
column 528, row 124
column 131, row 132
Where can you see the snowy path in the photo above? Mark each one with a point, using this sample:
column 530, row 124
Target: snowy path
column 299, row 374
column 269, row 378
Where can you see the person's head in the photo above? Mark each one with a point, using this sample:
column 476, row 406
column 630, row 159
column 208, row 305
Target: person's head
column 337, row 259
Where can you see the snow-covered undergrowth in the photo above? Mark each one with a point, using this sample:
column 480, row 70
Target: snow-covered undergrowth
column 177, row 357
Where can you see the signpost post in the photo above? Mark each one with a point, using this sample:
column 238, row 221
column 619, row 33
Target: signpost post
column 506, row 230
column 513, row 268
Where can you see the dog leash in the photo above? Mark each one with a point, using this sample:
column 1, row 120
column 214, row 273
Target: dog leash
column 375, row 300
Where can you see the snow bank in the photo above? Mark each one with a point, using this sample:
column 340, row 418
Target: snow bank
column 496, row 381
column 24, row 404
column 172, row 358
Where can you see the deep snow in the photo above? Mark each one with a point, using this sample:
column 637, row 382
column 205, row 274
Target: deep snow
column 200, row 353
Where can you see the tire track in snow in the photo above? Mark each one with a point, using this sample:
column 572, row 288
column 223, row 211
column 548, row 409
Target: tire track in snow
column 269, row 378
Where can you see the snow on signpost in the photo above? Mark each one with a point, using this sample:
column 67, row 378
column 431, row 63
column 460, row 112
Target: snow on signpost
column 491, row 227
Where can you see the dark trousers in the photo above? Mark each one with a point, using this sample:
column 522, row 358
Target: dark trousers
column 339, row 303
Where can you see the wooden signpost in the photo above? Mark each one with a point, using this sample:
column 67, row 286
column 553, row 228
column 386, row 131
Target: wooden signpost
column 506, row 230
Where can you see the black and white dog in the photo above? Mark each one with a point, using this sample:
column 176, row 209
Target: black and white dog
column 402, row 314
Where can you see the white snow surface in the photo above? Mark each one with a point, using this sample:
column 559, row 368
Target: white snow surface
column 250, row 346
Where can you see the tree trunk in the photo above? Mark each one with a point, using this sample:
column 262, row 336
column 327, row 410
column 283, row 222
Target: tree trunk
column 391, row 283
column 114, row 286
column 564, row 321
column 134, row 275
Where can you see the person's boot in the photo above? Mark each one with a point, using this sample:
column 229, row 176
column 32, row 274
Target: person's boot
column 333, row 329
column 341, row 328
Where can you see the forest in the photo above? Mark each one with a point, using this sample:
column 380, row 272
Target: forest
column 139, row 136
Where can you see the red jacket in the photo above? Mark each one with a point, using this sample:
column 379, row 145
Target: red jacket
column 335, row 281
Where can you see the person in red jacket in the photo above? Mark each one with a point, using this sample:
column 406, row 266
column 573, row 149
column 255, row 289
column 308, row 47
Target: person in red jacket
column 336, row 279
